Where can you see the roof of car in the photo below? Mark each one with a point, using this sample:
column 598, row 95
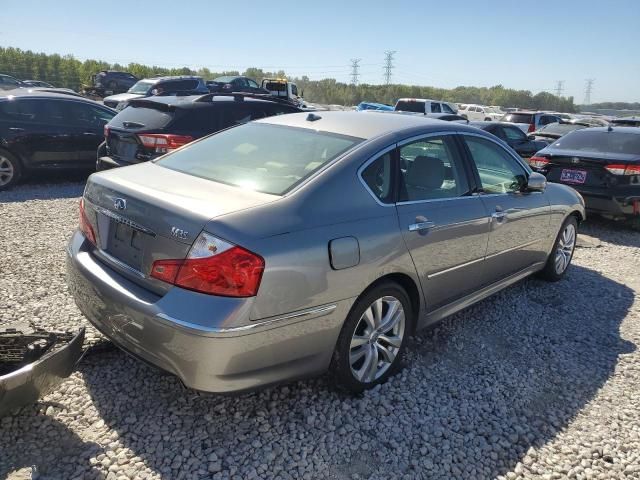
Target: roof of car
column 43, row 93
column 200, row 99
column 614, row 128
column 357, row 124
column 165, row 78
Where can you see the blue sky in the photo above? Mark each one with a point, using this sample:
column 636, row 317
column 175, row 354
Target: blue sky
column 519, row 44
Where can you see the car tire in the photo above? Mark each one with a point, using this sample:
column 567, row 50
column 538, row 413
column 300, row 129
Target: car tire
column 487, row 119
column 10, row 170
column 560, row 257
column 373, row 338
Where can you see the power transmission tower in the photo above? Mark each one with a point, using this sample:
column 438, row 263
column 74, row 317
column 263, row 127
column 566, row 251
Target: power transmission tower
column 388, row 65
column 355, row 66
column 559, row 88
column 587, row 91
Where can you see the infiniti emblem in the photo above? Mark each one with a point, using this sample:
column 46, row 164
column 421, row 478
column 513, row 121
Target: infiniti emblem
column 575, row 160
column 120, row 204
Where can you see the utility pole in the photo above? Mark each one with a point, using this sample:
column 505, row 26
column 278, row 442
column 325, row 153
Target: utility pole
column 388, row 65
column 559, row 88
column 355, row 66
column 587, row 91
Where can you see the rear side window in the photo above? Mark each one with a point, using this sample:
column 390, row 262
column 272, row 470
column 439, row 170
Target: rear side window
column 405, row 106
column 377, row 176
column 517, row 118
column 21, row 110
column 513, row 133
column 600, row 142
column 431, row 169
column 206, row 119
column 147, row 118
column 258, row 156
column 294, row 89
column 547, row 119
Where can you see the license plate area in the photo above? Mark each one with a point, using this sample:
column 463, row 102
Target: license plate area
column 122, row 148
column 573, row 176
column 126, row 244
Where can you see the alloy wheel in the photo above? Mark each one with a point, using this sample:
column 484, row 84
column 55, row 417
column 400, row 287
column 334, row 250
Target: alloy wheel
column 6, row 170
column 564, row 251
column 377, row 339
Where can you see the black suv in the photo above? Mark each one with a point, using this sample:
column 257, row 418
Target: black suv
column 110, row 82
column 153, row 126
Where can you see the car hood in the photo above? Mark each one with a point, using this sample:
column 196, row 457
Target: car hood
column 123, row 97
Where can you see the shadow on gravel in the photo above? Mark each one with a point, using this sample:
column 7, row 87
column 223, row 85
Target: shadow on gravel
column 38, row 432
column 48, row 186
column 615, row 232
column 478, row 391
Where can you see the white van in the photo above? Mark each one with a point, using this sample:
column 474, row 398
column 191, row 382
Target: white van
column 424, row 105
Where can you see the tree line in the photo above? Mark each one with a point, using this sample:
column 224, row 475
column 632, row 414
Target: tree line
column 67, row 71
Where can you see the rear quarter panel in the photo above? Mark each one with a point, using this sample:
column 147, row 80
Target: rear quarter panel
column 563, row 200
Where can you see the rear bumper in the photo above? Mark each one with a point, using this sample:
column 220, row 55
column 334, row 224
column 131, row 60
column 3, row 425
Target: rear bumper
column 223, row 351
column 106, row 163
column 612, row 205
column 25, row 385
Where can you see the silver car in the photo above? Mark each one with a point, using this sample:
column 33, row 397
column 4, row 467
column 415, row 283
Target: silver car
column 303, row 243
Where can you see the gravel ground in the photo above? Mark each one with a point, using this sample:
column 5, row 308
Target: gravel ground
column 539, row 381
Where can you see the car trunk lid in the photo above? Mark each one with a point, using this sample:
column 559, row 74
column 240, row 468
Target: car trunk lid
column 586, row 171
column 145, row 213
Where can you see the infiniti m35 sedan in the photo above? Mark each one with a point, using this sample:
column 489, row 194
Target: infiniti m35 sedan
column 301, row 243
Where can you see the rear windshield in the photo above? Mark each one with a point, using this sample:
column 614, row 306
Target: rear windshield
column 141, row 87
column 404, row 106
column 142, row 117
column 276, row 86
column 600, row 142
column 266, row 158
column 517, row 118
column 559, row 128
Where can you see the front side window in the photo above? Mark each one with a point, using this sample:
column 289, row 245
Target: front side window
column 142, row 87
column 294, row 89
column 258, row 156
column 252, row 84
column 431, row 169
column 447, row 109
column 498, row 171
column 435, row 108
column 377, row 175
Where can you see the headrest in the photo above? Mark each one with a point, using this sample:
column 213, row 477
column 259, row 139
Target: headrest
column 426, row 172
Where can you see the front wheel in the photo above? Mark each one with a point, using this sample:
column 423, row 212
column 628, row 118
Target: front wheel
column 10, row 170
column 373, row 338
column 562, row 253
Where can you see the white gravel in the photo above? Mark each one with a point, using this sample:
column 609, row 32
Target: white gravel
column 540, row 381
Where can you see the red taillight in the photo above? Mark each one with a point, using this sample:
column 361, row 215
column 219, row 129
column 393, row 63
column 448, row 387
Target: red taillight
column 215, row 267
column 532, row 128
column 538, row 162
column 621, row 169
column 163, row 143
column 85, row 225
column 106, row 131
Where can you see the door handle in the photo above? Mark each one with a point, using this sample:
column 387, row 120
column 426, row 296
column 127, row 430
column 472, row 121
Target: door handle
column 16, row 129
column 498, row 215
column 92, row 134
column 416, row 227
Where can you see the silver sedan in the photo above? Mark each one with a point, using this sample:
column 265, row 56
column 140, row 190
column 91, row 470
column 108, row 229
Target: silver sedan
column 303, row 243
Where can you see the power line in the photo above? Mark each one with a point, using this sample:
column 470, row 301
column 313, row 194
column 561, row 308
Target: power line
column 388, row 65
column 559, row 88
column 355, row 66
column 587, row 90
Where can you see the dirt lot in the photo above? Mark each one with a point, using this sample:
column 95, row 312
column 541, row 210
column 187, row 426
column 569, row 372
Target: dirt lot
column 539, row 381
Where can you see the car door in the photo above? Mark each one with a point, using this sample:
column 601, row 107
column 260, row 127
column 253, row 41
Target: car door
column 85, row 123
column 519, row 220
column 444, row 226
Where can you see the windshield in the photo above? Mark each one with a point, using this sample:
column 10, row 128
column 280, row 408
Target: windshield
column 141, row 87
column 588, row 140
column 405, row 106
column 266, row 158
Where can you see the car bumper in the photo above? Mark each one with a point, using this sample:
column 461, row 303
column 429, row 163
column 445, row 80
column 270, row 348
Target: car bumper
column 623, row 206
column 25, row 385
column 224, row 352
column 106, row 163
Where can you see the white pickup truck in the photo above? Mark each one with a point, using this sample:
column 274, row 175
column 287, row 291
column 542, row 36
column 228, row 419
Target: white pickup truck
column 282, row 88
column 424, row 105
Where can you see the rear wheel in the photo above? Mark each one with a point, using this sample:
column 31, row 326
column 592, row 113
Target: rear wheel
column 373, row 338
column 10, row 170
column 562, row 253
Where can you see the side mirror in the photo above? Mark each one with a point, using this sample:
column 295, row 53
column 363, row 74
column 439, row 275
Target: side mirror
column 536, row 182
column 531, row 137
